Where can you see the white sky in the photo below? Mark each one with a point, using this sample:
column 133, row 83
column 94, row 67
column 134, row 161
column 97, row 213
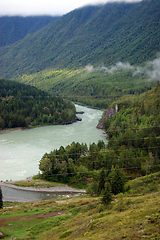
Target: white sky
column 45, row 7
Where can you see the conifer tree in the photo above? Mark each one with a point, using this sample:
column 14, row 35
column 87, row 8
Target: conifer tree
column 101, row 185
column 117, row 180
column 107, row 195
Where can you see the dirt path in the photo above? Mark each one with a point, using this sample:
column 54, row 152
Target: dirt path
column 43, row 215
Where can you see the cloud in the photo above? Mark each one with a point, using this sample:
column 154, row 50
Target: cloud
column 89, row 68
column 118, row 66
column 46, row 7
column 151, row 68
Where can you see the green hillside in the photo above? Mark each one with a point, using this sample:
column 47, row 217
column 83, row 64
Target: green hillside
column 15, row 28
column 23, row 106
column 95, row 34
column 94, row 87
column 134, row 215
column 133, row 134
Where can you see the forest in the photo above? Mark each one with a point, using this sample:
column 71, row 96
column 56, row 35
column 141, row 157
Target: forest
column 15, row 28
column 133, row 135
column 97, row 88
column 96, row 35
column 23, row 106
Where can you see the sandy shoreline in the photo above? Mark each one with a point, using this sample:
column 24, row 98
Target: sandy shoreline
column 56, row 189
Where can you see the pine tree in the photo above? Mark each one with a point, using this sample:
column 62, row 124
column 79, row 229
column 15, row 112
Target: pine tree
column 101, row 185
column 107, row 195
column 117, row 180
column 1, row 201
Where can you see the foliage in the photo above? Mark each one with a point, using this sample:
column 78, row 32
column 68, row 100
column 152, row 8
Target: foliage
column 22, row 106
column 72, row 163
column 15, row 28
column 101, row 185
column 66, row 234
column 133, row 133
column 96, row 88
column 107, row 195
column 92, row 189
column 120, row 205
column 94, row 35
column 144, row 185
column 117, row 180
column 86, row 218
column 133, row 147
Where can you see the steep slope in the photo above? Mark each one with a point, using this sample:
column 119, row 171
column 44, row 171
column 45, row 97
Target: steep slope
column 13, row 29
column 94, row 34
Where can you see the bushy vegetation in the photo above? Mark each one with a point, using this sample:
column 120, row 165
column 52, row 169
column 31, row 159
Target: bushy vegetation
column 95, row 88
column 133, row 133
column 23, row 106
column 72, row 163
column 126, row 217
column 94, row 35
column 133, row 146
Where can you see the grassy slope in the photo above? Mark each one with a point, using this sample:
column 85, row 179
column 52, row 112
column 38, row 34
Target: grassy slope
column 134, row 216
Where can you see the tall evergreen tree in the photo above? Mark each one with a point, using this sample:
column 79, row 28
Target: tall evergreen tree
column 107, row 195
column 101, row 185
column 117, row 180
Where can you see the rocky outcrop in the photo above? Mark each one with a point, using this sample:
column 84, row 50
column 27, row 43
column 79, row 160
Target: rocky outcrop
column 107, row 114
column 72, row 121
column 81, row 112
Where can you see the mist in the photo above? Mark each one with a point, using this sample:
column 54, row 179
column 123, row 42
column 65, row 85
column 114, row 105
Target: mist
column 151, row 68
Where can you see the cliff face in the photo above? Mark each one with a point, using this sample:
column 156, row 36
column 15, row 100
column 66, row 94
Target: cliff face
column 107, row 114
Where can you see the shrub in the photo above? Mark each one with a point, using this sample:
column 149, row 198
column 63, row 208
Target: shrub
column 93, row 189
column 66, row 234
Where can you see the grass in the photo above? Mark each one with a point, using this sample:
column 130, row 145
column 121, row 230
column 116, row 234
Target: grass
column 36, row 183
column 129, row 216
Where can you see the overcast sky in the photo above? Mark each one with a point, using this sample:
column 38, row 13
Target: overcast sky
column 45, row 7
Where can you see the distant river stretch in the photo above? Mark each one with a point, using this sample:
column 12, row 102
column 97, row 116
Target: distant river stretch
column 21, row 151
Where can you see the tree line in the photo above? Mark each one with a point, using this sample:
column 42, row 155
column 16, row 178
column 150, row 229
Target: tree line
column 23, row 105
column 133, row 135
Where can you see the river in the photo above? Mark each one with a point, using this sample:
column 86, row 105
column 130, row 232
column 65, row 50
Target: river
column 21, row 151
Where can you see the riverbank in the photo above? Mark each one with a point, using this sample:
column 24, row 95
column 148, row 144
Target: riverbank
column 22, row 150
column 32, row 185
column 10, row 130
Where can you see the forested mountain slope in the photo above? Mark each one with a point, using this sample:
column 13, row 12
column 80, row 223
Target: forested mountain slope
column 97, row 87
column 15, row 28
column 133, row 135
column 94, row 34
column 23, row 106
column 134, row 132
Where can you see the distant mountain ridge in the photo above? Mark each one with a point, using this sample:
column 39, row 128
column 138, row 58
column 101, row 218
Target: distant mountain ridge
column 15, row 28
column 93, row 34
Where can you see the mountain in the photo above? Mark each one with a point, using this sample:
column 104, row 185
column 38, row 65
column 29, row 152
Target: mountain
column 13, row 29
column 97, row 35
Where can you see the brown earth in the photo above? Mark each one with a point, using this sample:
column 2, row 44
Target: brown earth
column 43, row 215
